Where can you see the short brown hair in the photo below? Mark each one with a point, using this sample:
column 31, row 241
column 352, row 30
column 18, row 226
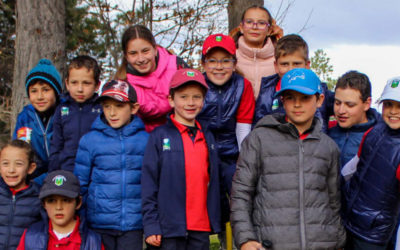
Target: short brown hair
column 355, row 80
column 289, row 44
column 88, row 62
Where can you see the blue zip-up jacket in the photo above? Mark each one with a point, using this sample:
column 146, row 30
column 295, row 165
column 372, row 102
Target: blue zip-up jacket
column 266, row 103
column 164, row 183
column 71, row 121
column 108, row 166
column 372, row 195
column 219, row 113
column 37, row 235
column 349, row 139
column 29, row 127
column 17, row 212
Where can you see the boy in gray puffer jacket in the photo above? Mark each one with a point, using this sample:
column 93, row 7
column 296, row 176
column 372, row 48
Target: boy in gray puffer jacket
column 285, row 191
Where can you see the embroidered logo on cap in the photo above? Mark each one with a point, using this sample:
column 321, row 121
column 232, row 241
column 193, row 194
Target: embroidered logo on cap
column 218, row 38
column 293, row 78
column 190, row 73
column 59, row 180
column 395, row 84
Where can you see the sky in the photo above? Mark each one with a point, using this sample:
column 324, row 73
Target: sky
column 362, row 35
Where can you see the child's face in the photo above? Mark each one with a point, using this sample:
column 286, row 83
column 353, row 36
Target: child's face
column 42, row 96
column 81, row 84
column 61, row 212
column 15, row 166
column 118, row 114
column 391, row 113
column 141, row 55
column 219, row 66
column 288, row 62
column 187, row 103
column 300, row 108
column 349, row 108
column 254, row 35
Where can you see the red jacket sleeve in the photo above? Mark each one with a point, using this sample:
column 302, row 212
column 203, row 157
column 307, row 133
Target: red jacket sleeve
column 247, row 103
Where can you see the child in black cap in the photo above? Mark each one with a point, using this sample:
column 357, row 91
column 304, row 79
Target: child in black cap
column 109, row 167
column 60, row 228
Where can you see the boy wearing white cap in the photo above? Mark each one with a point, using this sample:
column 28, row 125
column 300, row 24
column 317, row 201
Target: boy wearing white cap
column 285, row 191
column 372, row 195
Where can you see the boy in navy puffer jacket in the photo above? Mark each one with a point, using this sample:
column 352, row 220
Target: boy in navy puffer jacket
column 76, row 112
column 372, row 194
column 109, row 164
column 35, row 122
column 291, row 52
column 19, row 198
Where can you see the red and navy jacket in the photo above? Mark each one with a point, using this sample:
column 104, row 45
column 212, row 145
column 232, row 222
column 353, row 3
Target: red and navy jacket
column 71, row 121
column 219, row 113
column 372, row 196
column 267, row 104
column 164, row 183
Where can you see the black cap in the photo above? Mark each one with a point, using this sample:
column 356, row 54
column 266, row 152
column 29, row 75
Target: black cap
column 60, row 182
column 118, row 90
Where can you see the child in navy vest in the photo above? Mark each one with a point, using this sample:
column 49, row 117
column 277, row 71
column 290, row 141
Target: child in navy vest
column 19, row 202
column 372, row 193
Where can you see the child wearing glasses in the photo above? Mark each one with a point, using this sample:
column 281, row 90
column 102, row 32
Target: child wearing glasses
column 255, row 39
column 229, row 103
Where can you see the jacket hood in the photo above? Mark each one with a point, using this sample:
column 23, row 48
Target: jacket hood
column 277, row 121
column 100, row 124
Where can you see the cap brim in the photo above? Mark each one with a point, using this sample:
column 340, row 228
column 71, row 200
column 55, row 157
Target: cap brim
column 300, row 89
column 114, row 97
column 390, row 96
column 62, row 192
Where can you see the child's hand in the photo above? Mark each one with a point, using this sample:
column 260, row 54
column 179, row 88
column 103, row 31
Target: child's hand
column 154, row 240
column 251, row 245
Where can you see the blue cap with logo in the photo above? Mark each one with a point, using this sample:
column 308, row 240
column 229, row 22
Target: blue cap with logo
column 300, row 80
column 60, row 182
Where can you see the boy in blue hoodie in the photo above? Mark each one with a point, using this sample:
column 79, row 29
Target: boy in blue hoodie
column 76, row 112
column 180, row 178
column 19, row 202
column 35, row 122
column 109, row 167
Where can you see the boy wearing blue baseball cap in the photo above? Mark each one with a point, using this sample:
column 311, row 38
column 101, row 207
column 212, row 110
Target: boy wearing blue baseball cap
column 285, row 191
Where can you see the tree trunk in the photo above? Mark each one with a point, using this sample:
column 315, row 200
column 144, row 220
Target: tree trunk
column 236, row 8
column 40, row 33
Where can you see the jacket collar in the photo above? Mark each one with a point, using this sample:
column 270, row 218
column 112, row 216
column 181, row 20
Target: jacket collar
column 265, row 52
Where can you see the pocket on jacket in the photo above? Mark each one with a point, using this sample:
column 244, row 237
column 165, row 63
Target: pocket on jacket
column 365, row 220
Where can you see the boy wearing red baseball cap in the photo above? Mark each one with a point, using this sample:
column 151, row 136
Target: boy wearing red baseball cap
column 180, row 174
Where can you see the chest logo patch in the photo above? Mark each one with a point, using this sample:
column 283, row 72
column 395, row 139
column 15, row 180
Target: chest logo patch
column 166, row 144
column 64, row 111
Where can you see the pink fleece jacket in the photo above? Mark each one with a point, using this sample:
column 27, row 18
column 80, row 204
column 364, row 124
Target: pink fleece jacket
column 153, row 90
column 255, row 63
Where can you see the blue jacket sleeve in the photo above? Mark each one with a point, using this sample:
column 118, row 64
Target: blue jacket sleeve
column 150, row 186
column 83, row 166
column 57, row 141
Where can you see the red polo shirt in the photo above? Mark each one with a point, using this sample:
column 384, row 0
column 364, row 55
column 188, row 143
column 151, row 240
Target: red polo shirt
column 197, row 178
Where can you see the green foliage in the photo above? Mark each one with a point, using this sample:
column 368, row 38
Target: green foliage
column 321, row 66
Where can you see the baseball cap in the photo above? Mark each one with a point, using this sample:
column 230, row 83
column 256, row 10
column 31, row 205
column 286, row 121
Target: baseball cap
column 118, row 90
column 60, row 182
column 391, row 90
column 301, row 80
column 219, row 40
column 183, row 76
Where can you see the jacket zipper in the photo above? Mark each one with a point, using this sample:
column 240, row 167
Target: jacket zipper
column 123, row 165
column 301, row 195
column 44, row 133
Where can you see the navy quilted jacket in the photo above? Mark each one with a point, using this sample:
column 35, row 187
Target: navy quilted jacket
column 372, row 196
column 71, row 121
column 17, row 213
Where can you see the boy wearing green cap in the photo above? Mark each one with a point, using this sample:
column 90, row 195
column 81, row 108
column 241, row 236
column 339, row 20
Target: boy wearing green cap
column 285, row 192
